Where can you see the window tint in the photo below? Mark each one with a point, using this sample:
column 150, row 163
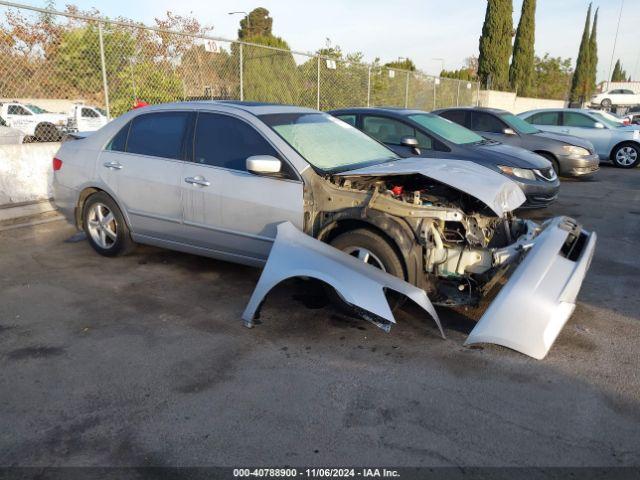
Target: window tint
column 350, row 119
column 484, row 122
column 545, row 118
column 573, row 119
column 224, row 141
column 158, row 134
column 17, row 110
column 89, row 113
column 119, row 142
column 627, row 92
column 458, row 116
column 387, row 130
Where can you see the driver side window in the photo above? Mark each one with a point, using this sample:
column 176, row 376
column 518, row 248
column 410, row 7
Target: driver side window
column 573, row 119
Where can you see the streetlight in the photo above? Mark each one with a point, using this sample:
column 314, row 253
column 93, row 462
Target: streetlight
column 246, row 15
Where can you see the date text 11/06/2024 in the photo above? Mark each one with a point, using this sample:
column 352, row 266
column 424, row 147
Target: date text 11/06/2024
column 316, row 472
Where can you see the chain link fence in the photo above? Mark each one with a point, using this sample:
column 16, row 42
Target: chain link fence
column 65, row 71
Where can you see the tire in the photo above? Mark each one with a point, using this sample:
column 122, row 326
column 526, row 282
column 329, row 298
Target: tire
column 626, row 155
column 605, row 103
column 47, row 132
column 379, row 253
column 105, row 227
column 553, row 160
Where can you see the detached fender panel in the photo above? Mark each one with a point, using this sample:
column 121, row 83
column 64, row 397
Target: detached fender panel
column 295, row 254
column 531, row 309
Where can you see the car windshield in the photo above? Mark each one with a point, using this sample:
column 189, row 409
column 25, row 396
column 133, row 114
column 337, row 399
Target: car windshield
column 327, row 143
column 36, row 109
column 446, row 129
column 518, row 124
column 607, row 121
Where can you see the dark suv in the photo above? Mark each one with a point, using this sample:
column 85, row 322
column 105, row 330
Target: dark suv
column 571, row 156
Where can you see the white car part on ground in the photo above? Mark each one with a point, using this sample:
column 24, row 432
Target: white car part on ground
column 531, row 309
column 495, row 190
column 295, row 254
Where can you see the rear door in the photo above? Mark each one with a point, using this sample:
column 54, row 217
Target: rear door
column 142, row 166
column 228, row 209
column 547, row 121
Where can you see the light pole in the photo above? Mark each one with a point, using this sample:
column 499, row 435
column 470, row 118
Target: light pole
column 246, row 15
column 615, row 40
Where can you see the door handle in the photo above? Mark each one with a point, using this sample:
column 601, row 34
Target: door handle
column 198, row 181
column 113, row 165
column 565, row 130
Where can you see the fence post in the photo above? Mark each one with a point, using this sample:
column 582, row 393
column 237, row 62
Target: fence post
column 369, row 86
column 104, row 71
column 241, row 74
column 477, row 94
column 406, row 92
column 458, row 95
column 434, row 92
column 318, row 87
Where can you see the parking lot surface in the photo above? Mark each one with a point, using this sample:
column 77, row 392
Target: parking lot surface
column 143, row 360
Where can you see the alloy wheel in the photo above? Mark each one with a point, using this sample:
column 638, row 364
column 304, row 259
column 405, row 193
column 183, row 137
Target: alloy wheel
column 626, row 156
column 365, row 255
column 102, row 225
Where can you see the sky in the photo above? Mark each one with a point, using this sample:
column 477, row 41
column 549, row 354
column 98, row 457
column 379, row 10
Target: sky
column 423, row 30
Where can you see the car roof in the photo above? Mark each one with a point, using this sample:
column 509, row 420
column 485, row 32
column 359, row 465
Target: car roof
column 398, row 111
column 560, row 109
column 255, row 108
column 497, row 111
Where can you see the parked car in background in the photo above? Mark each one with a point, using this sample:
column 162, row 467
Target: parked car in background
column 617, row 97
column 34, row 122
column 86, row 118
column 8, row 135
column 412, row 133
column 633, row 115
column 613, row 142
column 233, row 180
column 570, row 156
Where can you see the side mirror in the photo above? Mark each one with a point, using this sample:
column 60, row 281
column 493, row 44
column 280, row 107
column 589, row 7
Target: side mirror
column 263, row 164
column 509, row 131
column 598, row 125
column 410, row 142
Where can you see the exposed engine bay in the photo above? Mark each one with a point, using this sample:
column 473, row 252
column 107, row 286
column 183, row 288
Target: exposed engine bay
column 463, row 243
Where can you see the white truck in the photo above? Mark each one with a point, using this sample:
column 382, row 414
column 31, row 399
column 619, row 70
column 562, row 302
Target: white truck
column 43, row 126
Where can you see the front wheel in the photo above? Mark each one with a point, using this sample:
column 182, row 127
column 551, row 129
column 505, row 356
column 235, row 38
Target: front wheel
column 105, row 226
column 626, row 155
column 375, row 250
column 553, row 160
column 606, row 103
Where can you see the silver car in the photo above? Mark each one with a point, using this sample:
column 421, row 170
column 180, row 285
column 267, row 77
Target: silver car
column 613, row 142
column 221, row 179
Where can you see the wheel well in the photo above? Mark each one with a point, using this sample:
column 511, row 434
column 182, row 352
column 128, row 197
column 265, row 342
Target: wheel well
column 546, row 154
column 348, row 224
column 82, row 199
column 618, row 145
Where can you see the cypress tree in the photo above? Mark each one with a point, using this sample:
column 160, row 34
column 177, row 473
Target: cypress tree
column 495, row 44
column 593, row 55
column 581, row 75
column 521, row 70
column 618, row 75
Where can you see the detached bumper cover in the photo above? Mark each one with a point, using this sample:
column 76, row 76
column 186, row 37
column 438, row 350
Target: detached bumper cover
column 531, row 309
column 295, row 254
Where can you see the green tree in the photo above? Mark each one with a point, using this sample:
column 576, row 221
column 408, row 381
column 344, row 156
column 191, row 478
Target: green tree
column 551, row 77
column 523, row 50
column 404, row 64
column 257, row 24
column 580, row 88
column 618, row 75
column 593, row 53
column 495, row 44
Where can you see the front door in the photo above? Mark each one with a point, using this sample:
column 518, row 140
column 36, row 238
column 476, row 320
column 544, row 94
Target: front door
column 143, row 168
column 226, row 208
column 583, row 126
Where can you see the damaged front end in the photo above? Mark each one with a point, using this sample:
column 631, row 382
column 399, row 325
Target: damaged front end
column 453, row 223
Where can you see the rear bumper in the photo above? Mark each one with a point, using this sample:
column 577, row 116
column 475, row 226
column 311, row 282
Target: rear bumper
column 531, row 309
column 578, row 166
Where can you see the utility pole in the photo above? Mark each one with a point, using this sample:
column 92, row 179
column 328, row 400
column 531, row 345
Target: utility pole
column 615, row 40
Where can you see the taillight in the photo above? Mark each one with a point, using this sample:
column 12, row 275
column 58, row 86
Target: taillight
column 57, row 164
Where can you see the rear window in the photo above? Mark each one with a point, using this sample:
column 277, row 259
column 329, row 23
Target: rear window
column 158, row 134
